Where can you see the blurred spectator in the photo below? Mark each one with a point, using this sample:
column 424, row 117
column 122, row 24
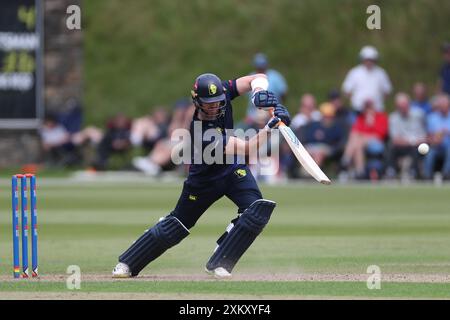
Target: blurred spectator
column 56, row 143
column 69, row 119
column 343, row 115
column 367, row 81
column 277, row 83
column 86, row 142
column 148, row 130
column 367, row 137
column 71, row 115
column 115, row 141
column 307, row 112
column 326, row 138
column 182, row 115
column 444, row 74
column 159, row 158
column 92, row 135
column 438, row 127
column 406, row 132
column 421, row 98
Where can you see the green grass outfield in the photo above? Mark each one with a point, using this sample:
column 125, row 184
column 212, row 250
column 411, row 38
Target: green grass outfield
column 318, row 244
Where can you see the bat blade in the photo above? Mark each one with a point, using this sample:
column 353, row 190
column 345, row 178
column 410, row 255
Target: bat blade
column 302, row 155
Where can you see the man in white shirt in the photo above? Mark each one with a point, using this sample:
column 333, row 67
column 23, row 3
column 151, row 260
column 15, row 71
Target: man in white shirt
column 406, row 131
column 367, row 81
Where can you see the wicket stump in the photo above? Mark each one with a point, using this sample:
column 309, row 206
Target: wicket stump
column 24, row 224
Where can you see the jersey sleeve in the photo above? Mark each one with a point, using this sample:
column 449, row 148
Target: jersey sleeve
column 231, row 87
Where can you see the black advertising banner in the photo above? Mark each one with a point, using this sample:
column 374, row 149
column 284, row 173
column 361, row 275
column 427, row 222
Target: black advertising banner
column 20, row 63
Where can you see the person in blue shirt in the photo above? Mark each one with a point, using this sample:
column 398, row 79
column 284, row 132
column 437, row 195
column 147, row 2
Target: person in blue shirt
column 209, row 181
column 438, row 128
column 277, row 83
column 420, row 98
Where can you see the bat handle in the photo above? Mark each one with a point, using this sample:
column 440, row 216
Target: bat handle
column 271, row 110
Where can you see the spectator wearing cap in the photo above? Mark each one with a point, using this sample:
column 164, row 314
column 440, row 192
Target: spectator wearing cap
column 444, row 74
column 420, row 98
column 406, row 132
column 367, row 81
column 277, row 82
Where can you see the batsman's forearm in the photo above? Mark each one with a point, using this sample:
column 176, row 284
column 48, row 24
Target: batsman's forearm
column 244, row 84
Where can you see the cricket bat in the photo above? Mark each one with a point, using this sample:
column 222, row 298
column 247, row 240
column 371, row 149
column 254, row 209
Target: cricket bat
column 302, row 155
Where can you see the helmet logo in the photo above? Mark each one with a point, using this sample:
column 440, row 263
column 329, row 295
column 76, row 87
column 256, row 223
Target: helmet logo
column 212, row 89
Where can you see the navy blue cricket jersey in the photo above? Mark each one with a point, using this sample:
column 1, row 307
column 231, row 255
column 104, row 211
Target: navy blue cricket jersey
column 201, row 174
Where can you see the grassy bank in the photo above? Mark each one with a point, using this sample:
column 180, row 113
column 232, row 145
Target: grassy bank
column 147, row 53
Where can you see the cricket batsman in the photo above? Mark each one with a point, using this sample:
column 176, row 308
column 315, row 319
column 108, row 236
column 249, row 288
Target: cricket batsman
column 207, row 183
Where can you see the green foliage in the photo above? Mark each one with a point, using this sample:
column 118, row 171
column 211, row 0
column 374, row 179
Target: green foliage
column 147, row 53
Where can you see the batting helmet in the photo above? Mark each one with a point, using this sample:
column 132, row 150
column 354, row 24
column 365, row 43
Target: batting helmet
column 208, row 89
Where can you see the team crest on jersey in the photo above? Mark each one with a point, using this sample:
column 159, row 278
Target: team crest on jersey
column 212, row 89
column 241, row 173
column 219, row 129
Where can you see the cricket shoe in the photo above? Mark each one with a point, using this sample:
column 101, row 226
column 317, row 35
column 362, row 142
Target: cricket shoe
column 121, row 270
column 219, row 273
